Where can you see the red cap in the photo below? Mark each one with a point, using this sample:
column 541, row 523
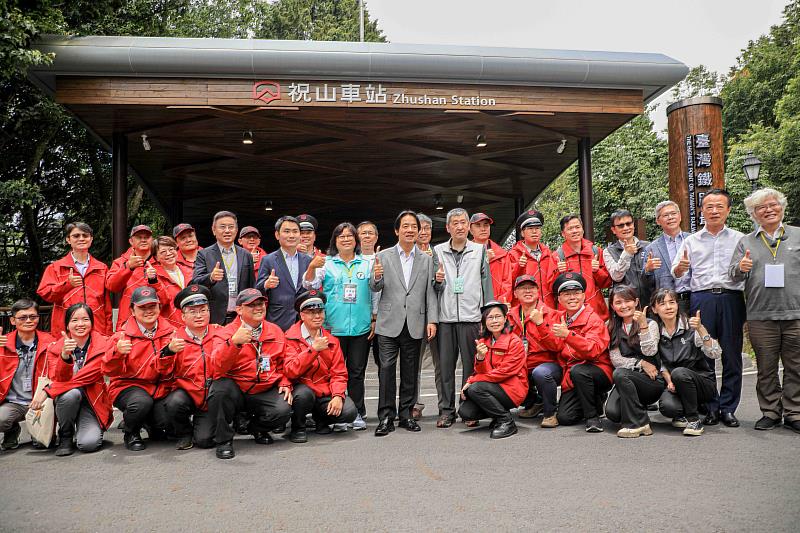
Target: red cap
column 141, row 227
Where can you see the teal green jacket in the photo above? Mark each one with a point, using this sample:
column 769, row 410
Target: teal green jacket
column 345, row 319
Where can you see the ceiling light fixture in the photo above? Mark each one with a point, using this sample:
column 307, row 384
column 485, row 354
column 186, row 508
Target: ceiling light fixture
column 268, row 205
column 247, row 137
column 145, row 142
column 560, row 149
column 438, row 203
column 459, row 198
column 480, row 141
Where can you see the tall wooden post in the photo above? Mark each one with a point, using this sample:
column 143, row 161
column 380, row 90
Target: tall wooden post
column 119, row 195
column 585, row 186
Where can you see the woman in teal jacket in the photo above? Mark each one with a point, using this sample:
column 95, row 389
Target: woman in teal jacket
column 343, row 275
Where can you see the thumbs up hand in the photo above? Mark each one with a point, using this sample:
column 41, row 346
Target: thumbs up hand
column 150, row 272
column 124, row 345
column 242, row 336
column 537, row 316
column 176, row 344
column 74, row 279
column 440, row 273
column 320, row 342
column 683, row 265
column 562, row 266
column 560, row 329
column 3, row 338
column 272, row 280
column 641, row 318
column 695, row 322
column 653, row 263
column 490, row 252
column 134, row 262
column 523, row 260
column 595, row 263
column 746, row 264
column 317, row 261
column 255, row 253
column 630, row 246
column 377, row 269
column 68, row 348
column 217, row 274
column 481, row 349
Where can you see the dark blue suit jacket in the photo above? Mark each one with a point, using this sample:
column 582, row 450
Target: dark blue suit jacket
column 204, row 264
column 280, row 309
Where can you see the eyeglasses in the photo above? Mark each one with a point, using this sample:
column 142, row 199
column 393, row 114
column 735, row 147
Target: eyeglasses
column 27, row 318
column 494, row 318
column 197, row 312
column 367, row 233
column 771, row 206
column 79, row 235
column 668, row 214
column 226, row 228
column 624, row 224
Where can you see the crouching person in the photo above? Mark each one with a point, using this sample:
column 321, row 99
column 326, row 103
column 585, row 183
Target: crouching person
column 248, row 375
column 187, row 404
column 315, row 363
column 139, row 362
column 83, row 407
column 499, row 382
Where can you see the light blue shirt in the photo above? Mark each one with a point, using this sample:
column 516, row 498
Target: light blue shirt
column 292, row 264
column 709, row 259
column 673, row 245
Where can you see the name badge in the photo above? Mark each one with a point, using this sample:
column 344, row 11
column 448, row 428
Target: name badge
column 525, row 344
column 27, row 384
column 458, row 285
column 350, row 293
column 773, row 275
column 232, row 286
column 264, row 363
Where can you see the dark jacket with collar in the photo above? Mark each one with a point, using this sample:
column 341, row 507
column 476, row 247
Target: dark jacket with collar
column 204, row 264
column 280, row 309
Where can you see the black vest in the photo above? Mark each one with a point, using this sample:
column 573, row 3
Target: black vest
column 635, row 352
column 680, row 351
column 634, row 276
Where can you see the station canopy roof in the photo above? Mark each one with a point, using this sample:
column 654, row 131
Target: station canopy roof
column 346, row 131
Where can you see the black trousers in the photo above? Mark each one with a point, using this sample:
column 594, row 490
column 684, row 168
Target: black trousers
column 304, row 401
column 407, row 349
column 485, row 400
column 356, row 352
column 691, row 390
column 585, row 399
column 186, row 419
column 139, row 408
column 633, row 392
column 455, row 339
column 268, row 410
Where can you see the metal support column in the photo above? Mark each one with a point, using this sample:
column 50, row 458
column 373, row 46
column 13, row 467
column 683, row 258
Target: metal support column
column 519, row 206
column 119, row 195
column 585, row 186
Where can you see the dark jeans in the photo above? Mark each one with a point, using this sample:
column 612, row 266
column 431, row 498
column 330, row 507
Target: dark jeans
column 723, row 316
column 304, row 401
column 139, row 408
column 268, row 410
column 585, row 399
column 633, row 392
column 485, row 400
column 691, row 389
column 356, row 352
column 545, row 379
column 186, row 419
column 407, row 349
column 454, row 339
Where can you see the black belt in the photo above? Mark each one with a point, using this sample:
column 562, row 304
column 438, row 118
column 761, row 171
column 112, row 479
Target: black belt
column 684, row 295
column 720, row 290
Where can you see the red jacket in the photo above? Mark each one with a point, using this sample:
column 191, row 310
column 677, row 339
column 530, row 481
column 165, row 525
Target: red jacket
column 257, row 262
column 144, row 367
column 241, row 364
column 89, row 377
column 167, row 289
column 323, row 372
column 582, row 262
column 9, row 361
column 56, row 289
column 185, row 262
column 544, row 271
column 124, row 281
column 193, row 367
column 587, row 342
column 500, row 269
column 537, row 353
column 504, row 364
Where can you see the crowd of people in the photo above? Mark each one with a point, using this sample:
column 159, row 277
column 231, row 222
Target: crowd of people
column 211, row 342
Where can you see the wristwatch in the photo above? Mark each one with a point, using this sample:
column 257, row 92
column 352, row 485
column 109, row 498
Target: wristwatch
column 706, row 337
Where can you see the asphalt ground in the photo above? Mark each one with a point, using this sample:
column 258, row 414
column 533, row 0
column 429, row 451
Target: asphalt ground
column 437, row 480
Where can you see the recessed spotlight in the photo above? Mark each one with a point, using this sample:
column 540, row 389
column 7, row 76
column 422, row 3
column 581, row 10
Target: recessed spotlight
column 247, row 137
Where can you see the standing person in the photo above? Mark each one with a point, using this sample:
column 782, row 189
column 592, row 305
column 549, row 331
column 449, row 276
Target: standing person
column 406, row 303
column 314, row 362
column 463, row 282
column 425, row 234
column 308, row 235
column 660, row 253
column 583, row 256
column 138, row 361
column 543, row 369
column 343, row 275
column 187, row 404
column 23, row 359
column 581, row 338
column 531, row 257
column 77, row 278
column 766, row 260
column 129, row 271
column 248, row 375
column 368, row 239
column 250, row 240
column 499, row 382
column 226, row 269
column 685, row 347
column 170, row 278
column 186, row 238
column 280, row 276
column 634, row 353
column 705, row 257
column 83, row 407
column 625, row 259
column 480, row 227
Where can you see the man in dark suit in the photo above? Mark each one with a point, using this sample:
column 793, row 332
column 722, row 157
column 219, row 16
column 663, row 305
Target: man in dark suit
column 280, row 274
column 225, row 268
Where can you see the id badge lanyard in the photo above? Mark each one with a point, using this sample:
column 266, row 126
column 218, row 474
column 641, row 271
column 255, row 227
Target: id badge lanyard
column 773, row 273
column 350, row 289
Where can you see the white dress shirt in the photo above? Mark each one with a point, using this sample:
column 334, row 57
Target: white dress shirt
column 406, row 262
column 709, row 259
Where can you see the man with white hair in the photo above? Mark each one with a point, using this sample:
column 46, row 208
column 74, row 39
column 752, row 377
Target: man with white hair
column 767, row 260
column 660, row 253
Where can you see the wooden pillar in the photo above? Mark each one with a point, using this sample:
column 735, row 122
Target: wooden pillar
column 119, row 195
column 585, row 186
column 696, row 158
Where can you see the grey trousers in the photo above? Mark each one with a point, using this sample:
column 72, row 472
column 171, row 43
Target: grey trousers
column 774, row 341
column 454, row 339
column 76, row 418
column 11, row 414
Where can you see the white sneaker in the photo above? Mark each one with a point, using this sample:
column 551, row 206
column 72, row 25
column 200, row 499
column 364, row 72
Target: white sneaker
column 340, row 428
column 359, row 424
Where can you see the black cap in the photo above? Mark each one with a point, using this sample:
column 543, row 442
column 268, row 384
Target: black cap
column 311, row 299
column 525, row 278
column 180, row 228
column 144, row 295
column 307, row 222
column 249, row 296
column 531, row 217
column 494, row 303
column 192, row 295
column 567, row 281
column 247, row 230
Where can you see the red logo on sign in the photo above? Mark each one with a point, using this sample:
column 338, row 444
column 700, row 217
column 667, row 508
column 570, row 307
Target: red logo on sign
column 266, row 91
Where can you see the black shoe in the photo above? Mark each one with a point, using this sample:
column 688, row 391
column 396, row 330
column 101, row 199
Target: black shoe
column 322, row 428
column 185, row 443
column 65, row 446
column 593, row 425
column 134, row 442
column 242, row 423
column 653, row 407
column 311, row 423
column 385, row 427
column 155, row 434
column 794, row 425
column 298, row 436
column 280, row 429
column 711, row 419
column 409, row 424
column 11, row 438
column 262, row 437
column 730, row 420
column 765, row 423
column 225, row 451
column 503, row 429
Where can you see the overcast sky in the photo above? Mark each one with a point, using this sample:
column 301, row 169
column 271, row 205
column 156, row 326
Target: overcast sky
column 709, row 32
